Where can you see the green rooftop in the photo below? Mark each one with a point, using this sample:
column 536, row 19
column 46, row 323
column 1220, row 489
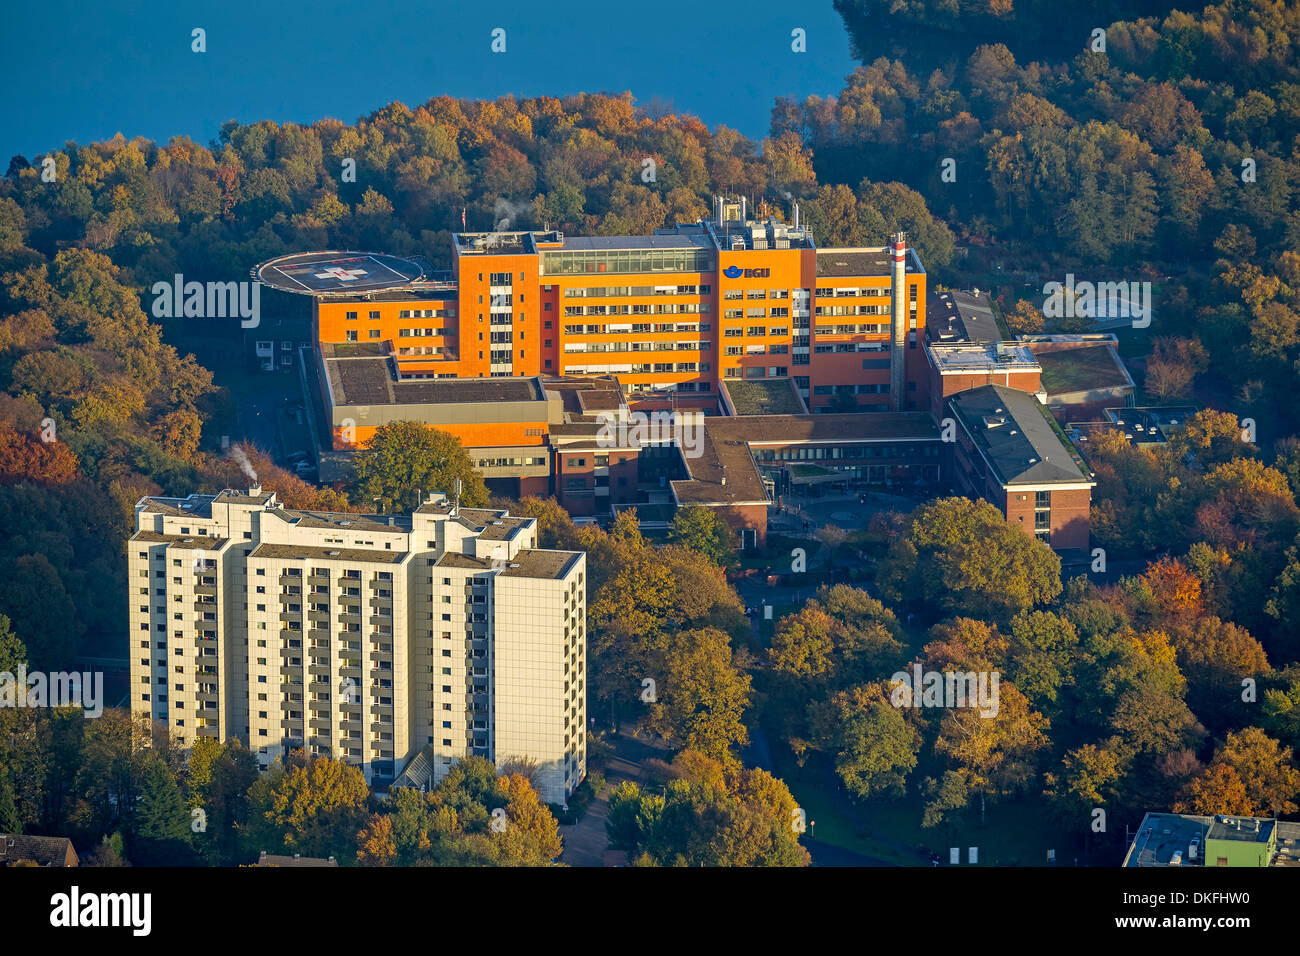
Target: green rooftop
column 1083, row 369
column 765, row 397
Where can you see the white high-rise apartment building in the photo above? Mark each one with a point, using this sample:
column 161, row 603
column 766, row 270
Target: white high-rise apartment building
column 399, row 644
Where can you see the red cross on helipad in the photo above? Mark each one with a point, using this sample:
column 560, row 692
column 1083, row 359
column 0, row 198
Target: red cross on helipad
column 343, row 275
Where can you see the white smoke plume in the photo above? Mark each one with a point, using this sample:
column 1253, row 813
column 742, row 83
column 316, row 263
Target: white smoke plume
column 237, row 453
column 506, row 212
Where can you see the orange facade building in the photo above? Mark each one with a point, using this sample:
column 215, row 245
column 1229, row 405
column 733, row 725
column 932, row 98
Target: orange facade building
column 671, row 314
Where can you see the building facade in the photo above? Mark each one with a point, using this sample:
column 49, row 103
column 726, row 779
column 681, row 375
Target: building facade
column 370, row 639
column 1009, row 451
column 729, row 298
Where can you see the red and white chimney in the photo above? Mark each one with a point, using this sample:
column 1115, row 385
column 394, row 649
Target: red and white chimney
column 898, row 323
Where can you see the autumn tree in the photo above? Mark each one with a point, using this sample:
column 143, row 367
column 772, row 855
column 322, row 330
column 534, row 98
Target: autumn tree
column 313, row 806
column 1219, row 789
column 28, row 458
column 994, row 755
column 472, row 817
column 707, row 814
column 702, row 697
column 1025, row 318
column 961, row 556
column 1266, row 768
column 375, row 846
column 1217, row 657
column 1174, row 365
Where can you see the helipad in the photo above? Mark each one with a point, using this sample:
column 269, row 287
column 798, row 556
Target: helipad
column 337, row 273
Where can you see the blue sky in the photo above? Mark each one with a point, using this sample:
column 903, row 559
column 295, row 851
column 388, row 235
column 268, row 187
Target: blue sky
column 81, row 71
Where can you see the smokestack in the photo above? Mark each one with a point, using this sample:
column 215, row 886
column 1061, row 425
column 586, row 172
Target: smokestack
column 898, row 337
column 254, row 490
column 744, row 216
column 796, row 215
column 717, row 205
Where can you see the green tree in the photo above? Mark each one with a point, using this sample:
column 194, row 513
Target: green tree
column 701, row 530
column 12, row 650
column 874, row 745
column 404, row 460
column 162, row 824
column 217, row 781
column 1086, row 780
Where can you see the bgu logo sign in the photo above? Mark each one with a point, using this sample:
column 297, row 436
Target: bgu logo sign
column 735, row 272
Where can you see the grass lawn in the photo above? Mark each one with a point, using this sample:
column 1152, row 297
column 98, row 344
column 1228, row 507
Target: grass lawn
column 1017, row 832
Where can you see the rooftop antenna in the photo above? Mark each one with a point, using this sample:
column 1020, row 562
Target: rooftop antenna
column 457, row 486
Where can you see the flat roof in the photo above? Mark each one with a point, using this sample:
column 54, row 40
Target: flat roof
column 422, row 292
column 344, row 520
column 231, row 496
column 528, row 563
column 1014, row 434
column 536, row 563
column 1161, row 834
column 775, row 396
column 372, row 380
column 333, row 271
column 844, row 427
column 1241, row 829
column 1082, row 369
column 866, row 261
column 296, row 552
column 725, row 449
column 618, row 243
column 966, row 316
column 493, row 525
column 194, row 506
column 196, row 542
column 453, row 559
column 507, row 242
column 978, row 356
